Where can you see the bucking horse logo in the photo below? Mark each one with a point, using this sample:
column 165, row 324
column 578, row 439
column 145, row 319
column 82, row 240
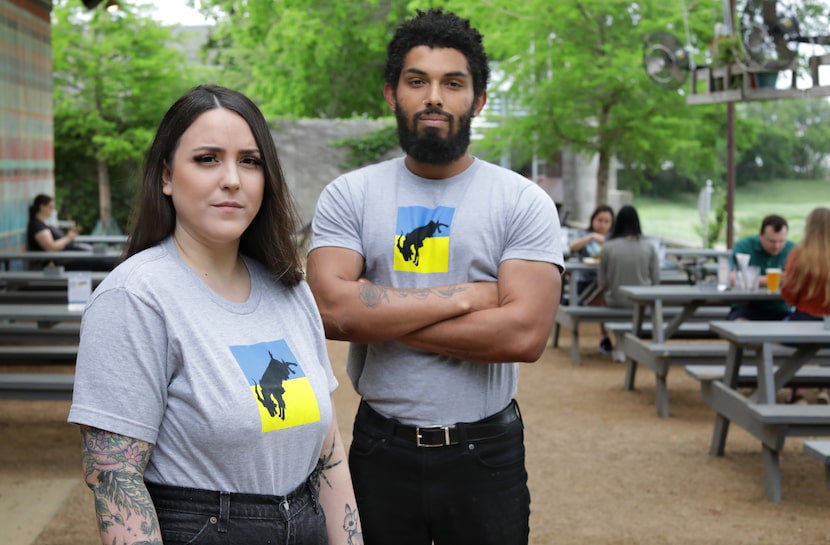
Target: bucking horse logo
column 411, row 243
column 269, row 389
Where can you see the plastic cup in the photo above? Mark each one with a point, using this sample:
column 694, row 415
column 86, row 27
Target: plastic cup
column 773, row 280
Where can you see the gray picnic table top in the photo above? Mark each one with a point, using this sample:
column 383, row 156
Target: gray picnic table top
column 102, row 239
column 690, row 297
column 711, row 253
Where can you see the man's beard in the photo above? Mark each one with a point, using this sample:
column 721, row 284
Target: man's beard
column 430, row 147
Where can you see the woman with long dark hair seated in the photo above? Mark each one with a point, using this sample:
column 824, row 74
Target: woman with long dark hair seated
column 43, row 237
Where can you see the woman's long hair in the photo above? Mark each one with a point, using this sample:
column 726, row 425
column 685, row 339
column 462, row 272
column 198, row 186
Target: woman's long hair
column 810, row 273
column 627, row 223
column 270, row 237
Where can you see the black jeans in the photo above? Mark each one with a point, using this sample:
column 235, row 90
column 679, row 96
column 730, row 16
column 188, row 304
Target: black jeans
column 207, row 517
column 470, row 493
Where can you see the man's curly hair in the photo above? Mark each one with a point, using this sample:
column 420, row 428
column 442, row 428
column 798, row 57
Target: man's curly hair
column 438, row 29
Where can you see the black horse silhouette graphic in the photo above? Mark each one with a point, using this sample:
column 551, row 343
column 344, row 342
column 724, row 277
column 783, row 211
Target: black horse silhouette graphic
column 269, row 389
column 414, row 240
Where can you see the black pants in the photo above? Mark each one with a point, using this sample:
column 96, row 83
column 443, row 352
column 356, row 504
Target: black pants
column 473, row 492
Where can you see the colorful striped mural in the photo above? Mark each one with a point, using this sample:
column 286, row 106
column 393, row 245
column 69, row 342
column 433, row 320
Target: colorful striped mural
column 26, row 125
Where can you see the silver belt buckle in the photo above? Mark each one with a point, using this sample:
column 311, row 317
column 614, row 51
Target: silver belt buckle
column 446, row 436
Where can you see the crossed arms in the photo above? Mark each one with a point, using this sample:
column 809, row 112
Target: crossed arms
column 504, row 321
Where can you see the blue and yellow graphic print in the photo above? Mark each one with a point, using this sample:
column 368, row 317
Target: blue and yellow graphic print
column 282, row 390
column 422, row 239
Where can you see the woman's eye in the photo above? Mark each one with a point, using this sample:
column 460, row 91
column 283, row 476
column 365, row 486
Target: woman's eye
column 204, row 158
column 254, row 161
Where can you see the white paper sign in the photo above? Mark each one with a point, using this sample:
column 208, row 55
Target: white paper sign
column 78, row 289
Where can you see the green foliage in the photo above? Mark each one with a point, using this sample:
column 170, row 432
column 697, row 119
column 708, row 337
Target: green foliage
column 791, row 137
column 571, row 71
column 114, row 77
column 678, row 217
column 368, row 148
column 577, row 68
column 307, row 58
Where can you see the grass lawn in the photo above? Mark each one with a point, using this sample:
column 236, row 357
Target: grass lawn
column 678, row 219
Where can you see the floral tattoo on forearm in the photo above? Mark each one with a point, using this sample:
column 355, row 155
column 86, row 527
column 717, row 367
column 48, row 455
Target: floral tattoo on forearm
column 119, row 463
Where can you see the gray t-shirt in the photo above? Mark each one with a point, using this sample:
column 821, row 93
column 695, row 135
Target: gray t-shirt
column 234, row 396
column 627, row 262
column 418, row 233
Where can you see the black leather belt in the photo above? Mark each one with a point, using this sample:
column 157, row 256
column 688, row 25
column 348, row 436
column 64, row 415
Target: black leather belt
column 441, row 436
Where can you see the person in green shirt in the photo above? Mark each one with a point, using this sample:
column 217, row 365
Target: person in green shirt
column 768, row 249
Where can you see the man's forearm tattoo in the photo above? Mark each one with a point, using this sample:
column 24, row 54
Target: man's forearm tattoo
column 373, row 295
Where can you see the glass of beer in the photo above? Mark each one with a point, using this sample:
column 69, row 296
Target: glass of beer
column 773, row 280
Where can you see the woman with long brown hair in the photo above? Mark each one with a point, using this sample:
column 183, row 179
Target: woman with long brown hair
column 806, row 282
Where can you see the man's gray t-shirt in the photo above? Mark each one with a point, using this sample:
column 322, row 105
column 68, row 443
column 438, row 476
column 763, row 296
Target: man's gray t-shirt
column 417, row 233
column 234, row 396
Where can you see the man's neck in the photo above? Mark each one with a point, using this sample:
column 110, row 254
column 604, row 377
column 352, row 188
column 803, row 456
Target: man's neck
column 439, row 172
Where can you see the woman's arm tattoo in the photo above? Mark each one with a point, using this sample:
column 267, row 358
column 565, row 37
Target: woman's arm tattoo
column 114, row 471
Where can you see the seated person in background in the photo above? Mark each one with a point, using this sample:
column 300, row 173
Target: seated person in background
column 768, row 249
column 42, row 237
column 628, row 259
column 806, row 285
column 589, row 242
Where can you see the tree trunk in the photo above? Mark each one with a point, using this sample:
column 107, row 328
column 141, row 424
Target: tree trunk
column 602, row 177
column 104, row 195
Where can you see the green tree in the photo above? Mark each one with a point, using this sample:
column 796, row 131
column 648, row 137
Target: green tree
column 307, row 58
column 114, row 77
column 792, row 137
column 576, row 68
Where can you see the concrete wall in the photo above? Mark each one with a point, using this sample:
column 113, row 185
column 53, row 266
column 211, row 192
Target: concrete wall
column 310, row 158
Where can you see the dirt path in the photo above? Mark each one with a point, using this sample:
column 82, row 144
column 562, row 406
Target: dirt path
column 604, row 469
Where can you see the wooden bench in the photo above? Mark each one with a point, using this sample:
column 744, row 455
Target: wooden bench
column 571, row 316
column 771, row 423
column 33, row 296
column 688, row 330
column 820, row 450
column 660, row 357
column 39, row 353
column 806, row 377
column 37, row 386
column 65, row 332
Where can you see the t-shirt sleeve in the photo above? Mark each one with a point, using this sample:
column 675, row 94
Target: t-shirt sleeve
column 337, row 217
column 121, row 371
column 534, row 231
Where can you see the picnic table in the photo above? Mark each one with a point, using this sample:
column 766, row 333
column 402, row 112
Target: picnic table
column 51, row 313
column 706, row 253
column 689, row 297
column 574, row 267
column 8, row 257
column 759, row 414
column 28, row 279
column 687, row 306
column 102, row 239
